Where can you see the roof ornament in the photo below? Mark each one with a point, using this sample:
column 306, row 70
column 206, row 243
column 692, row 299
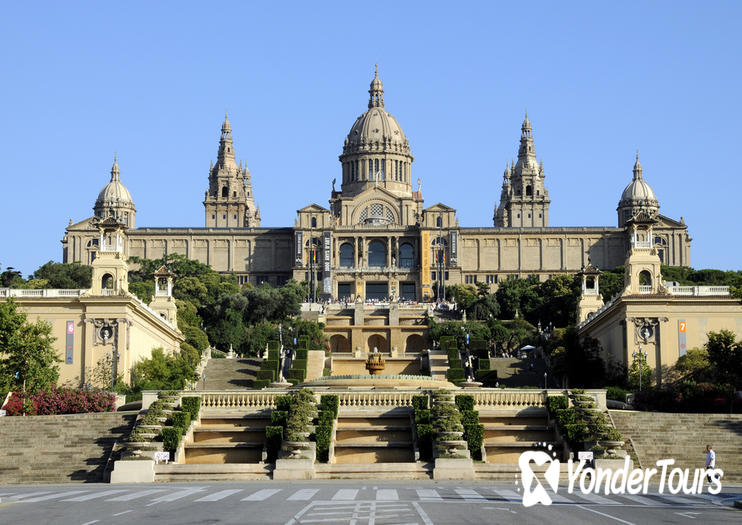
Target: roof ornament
column 637, row 167
column 376, row 91
column 115, row 172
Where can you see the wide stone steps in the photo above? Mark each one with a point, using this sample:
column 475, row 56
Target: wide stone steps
column 508, row 433
column 213, row 472
column 683, row 437
column 409, row 470
column 363, row 438
column 228, row 374
column 227, row 438
column 59, row 449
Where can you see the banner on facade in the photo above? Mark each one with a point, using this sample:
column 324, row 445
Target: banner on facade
column 69, row 343
column 299, row 249
column 327, row 266
column 426, row 290
column 454, row 247
column 682, row 330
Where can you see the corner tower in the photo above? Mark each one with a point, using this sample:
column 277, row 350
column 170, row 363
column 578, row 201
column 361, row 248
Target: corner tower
column 525, row 200
column 638, row 196
column 229, row 201
column 376, row 152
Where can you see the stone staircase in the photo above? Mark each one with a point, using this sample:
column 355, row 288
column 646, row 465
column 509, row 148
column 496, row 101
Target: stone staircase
column 60, row 449
column 508, row 433
column 361, row 437
column 228, row 374
column 227, row 437
column 684, row 437
column 315, row 364
column 438, row 364
column 514, row 373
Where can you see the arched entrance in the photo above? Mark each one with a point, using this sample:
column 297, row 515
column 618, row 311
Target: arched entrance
column 415, row 343
column 377, row 341
column 339, row 343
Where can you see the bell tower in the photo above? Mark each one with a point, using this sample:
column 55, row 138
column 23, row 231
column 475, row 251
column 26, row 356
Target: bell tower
column 229, row 201
column 110, row 271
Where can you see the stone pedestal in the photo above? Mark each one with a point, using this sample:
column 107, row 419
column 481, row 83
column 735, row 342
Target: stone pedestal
column 453, row 468
column 136, row 471
column 293, row 469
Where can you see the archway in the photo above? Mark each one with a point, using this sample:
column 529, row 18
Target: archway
column 415, row 343
column 377, row 341
column 107, row 282
column 339, row 344
column 645, row 278
column 376, row 254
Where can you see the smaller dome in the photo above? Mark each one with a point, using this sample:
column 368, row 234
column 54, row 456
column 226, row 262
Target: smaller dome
column 638, row 192
column 226, row 126
column 114, row 193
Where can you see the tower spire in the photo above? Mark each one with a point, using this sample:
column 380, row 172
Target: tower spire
column 376, row 91
column 637, row 167
column 115, row 172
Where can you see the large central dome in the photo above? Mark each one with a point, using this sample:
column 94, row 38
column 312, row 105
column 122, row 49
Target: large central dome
column 376, row 151
column 376, row 130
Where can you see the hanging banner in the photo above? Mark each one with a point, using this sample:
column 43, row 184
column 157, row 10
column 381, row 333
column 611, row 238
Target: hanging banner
column 299, row 249
column 69, row 343
column 327, row 266
column 454, row 247
column 427, row 292
column 682, row 330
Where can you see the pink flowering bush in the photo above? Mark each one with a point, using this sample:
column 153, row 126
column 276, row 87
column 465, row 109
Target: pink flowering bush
column 62, row 401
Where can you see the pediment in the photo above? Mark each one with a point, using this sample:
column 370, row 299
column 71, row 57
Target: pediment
column 313, row 208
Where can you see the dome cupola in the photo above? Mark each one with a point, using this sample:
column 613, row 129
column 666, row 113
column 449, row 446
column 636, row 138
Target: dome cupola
column 376, row 150
column 637, row 196
column 114, row 200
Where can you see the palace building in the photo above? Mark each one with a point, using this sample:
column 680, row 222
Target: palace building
column 377, row 239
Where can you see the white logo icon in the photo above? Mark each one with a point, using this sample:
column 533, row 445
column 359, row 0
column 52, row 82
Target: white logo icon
column 537, row 493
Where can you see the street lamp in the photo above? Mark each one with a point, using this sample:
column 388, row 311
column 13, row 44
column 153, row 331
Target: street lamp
column 642, row 357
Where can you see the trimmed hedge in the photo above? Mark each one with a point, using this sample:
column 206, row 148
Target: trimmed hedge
column 270, row 375
column 270, row 364
column 484, row 364
column 446, row 340
column 453, row 353
column 299, row 364
column 465, row 402
column 330, row 402
column 420, row 402
column 273, row 439
column 171, row 438
column 455, row 363
column 477, row 345
column 259, row 384
column 181, row 420
column 297, row 374
column 274, row 345
column 274, row 355
column 488, row 378
column 294, row 381
column 279, row 417
column 455, row 374
column 283, row 403
column 425, row 440
column 474, row 436
column 556, row 403
column 481, row 354
column 301, row 353
column 192, row 405
column 422, row 417
column 326, row 372
column 303, row 342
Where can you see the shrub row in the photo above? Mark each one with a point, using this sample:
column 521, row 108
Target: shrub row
column 484, row 364
column 328, row 411
column 61, row 401
column 473, row 431
column 488, row 378
column 192, row 405
column 455, row 374
column 423, row 428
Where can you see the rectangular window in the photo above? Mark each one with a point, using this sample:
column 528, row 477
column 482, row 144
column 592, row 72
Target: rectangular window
column 445, row 275
column 408, row 291
column 432, row 276
column 491, row 279
column 383, row 169
column 470, row 279
column 370, row 169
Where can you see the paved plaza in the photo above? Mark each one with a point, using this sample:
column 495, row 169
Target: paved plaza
column 362, row 502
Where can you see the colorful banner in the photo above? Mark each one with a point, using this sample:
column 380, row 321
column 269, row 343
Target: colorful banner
column 69, row 343
column 682, row 330
column 427, row 292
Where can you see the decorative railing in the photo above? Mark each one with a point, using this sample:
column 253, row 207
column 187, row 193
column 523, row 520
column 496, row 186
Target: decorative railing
column 376, row 399
column 40, row 292
column 247, row 400
column 150, row 310
column 645, row 289
column 698, row 291
column 508, row 399
column 642, row 244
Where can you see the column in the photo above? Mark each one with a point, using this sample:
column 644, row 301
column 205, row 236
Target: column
column 388, row 251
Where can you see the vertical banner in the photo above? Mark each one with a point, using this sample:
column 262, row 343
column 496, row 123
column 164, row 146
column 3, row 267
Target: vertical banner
column 327, row 267
column 454, row 259
column 69, row 348
column 425, row 265
column 682, row 330
column 299, row 249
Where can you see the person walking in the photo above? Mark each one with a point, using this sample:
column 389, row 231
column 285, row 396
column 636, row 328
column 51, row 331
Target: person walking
column 710, row 461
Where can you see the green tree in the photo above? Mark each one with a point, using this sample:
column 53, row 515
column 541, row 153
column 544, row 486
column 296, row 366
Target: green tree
column 611, row 283
column 695, row 365
column 29, row 361
column 164, row 371
column 11, row 278
column 725, row 356
column 65, row 276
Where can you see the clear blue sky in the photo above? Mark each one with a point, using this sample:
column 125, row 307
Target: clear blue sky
column 151, row 80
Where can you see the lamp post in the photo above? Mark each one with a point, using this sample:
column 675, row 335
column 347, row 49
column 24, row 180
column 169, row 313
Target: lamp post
column 642, row 357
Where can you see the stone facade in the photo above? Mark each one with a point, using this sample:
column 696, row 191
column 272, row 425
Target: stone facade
column 377, row 239
column 653, row 317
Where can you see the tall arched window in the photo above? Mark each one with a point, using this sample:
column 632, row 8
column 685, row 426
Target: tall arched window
column 346, row 255
column 645, row 278
column 314, row 222
column 529, row 191
column 376, row 254
column 406, row 256
column 225, row 192
column 438, row 222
